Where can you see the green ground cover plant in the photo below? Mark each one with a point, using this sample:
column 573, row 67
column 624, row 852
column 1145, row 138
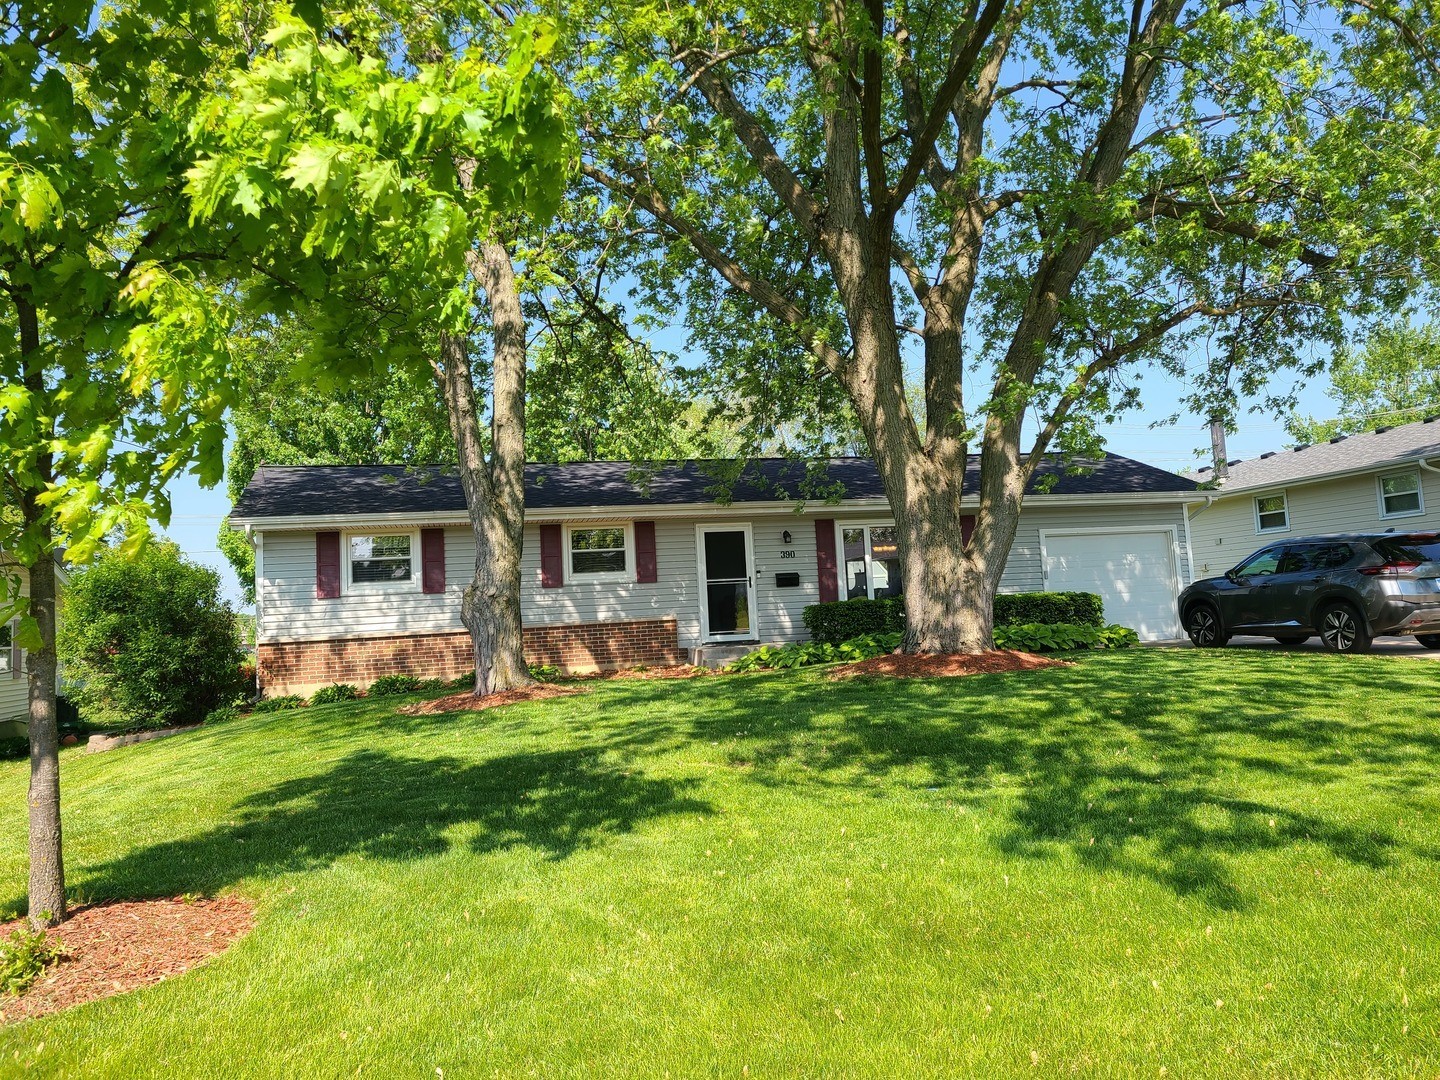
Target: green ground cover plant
column 1218, row 864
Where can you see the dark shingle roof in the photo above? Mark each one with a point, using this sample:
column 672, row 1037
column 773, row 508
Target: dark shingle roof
column 1347, row 453
column 351, row 490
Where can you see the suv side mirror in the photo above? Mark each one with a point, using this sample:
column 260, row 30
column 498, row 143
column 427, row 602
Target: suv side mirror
column 1232, row 576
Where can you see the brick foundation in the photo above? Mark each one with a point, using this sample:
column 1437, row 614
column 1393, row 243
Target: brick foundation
column 299, row 667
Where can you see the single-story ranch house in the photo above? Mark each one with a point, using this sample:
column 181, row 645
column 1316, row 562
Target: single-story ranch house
column 1371, row 482
column 359, row 569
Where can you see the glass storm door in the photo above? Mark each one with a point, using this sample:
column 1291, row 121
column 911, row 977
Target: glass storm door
column 727, row 582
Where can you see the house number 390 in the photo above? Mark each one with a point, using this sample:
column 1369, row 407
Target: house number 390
column 787, row 554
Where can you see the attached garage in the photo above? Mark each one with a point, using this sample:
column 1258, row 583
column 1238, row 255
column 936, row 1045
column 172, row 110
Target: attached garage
column 1136, row 571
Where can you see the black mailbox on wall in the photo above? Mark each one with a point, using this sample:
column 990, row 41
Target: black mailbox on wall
column 787, row 581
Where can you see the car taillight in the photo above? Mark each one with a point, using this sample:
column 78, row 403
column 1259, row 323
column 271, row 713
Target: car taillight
column 1391, row 569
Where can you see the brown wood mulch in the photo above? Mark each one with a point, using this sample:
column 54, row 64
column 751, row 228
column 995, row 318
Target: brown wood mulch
column 465, row 701
column 119, row 946
column 928, row 666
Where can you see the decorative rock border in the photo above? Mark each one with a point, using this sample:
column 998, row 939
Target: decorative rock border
column 98, row 744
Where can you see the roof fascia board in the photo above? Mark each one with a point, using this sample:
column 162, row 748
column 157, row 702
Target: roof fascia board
column 685, row 510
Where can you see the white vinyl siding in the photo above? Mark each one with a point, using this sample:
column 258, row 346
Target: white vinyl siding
column 290, row 611
column 1223, row 534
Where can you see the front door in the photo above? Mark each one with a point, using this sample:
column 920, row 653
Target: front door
column 727, row 584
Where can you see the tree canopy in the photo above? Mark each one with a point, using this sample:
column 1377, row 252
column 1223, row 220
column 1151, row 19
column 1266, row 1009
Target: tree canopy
column 1392, row 377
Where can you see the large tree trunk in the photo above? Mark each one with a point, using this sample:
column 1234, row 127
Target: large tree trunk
column 494, row 489
column 47, row 865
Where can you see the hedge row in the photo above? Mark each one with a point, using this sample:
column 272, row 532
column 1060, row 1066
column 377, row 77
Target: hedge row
column 840, row 622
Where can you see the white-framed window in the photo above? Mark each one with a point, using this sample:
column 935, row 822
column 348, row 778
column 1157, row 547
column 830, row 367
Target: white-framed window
column 7, row 639
column 1400, row 495
column 1272, row 513
column 382, row 560
column 599, row 552
column 870, row 557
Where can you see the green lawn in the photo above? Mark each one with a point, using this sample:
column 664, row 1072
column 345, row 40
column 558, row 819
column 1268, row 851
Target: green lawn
column 1211, row 864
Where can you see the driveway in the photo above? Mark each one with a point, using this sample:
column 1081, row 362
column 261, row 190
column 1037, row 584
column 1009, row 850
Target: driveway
column 1384, row 646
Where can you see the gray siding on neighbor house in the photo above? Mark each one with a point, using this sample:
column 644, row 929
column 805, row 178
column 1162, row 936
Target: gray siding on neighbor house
column 1224, row 533
column 288, row 609
column 14, row 686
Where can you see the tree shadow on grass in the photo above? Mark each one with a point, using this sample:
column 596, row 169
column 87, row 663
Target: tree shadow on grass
column 1126, row 766
column 382, row 806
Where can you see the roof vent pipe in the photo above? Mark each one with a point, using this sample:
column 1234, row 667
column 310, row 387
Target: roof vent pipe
column 1217, row 448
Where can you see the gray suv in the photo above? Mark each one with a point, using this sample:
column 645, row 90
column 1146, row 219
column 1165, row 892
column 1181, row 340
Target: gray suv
column 1347, row 588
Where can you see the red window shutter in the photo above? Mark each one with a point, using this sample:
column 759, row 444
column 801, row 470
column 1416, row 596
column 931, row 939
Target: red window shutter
column 967, row 529
column 825, row 560
column 327, row 565
column 432, row 560
column 646, row 568
column 552, row 572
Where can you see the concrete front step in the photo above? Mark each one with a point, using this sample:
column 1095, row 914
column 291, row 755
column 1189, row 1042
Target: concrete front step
column 717, row 656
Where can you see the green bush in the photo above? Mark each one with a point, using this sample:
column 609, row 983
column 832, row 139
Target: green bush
column 222, row 715
column 462, row 682
column 279, row 704
column 24, row 956
column 1078, row 608
column 340, row 691
column 544, row 672
column 147, row 641
column 393, row 686
column 1064, row 637
column 849, row 619
column 431, row 687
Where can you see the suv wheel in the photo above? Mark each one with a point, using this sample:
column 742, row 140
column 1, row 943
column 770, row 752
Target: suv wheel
column 1429, row 641
column 1343, row 629
column 1202, row 624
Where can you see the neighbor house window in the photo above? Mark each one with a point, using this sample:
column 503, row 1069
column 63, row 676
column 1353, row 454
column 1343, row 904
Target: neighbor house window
column 1272, row 514
column 1400, row 495
column 599, row 552
column 872, row 561
column 7, row 638
column 382, row 559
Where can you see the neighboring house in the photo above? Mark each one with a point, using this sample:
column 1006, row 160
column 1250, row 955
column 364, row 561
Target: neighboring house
column 14, row 686
column 1385, row 479
column 359, row 570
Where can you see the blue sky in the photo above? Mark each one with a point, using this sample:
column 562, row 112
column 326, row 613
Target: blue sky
column 198, row 511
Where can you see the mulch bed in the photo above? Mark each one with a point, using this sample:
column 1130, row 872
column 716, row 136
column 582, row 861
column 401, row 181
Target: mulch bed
column 465, row 701
column 681, row 671
column 112, row 948
column 928, row 666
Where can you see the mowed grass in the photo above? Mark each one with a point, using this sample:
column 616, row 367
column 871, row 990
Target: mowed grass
column 1214, row 864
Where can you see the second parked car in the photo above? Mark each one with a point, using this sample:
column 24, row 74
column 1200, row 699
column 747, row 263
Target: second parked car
column 1346, row 588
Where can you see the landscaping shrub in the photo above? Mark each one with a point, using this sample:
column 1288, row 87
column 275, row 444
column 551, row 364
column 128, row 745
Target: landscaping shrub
column 279, row 704
column 393, row 686
column 1078, row 608
column 147, row 641
column 432, row 687
column 462, row 682
column 848, row 619
column 221, row 715
column 544, row 672
column 24, row 956
column 340, row 691
column 1064, row 637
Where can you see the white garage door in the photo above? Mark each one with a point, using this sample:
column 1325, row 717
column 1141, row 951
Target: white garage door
column 1133, row 572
